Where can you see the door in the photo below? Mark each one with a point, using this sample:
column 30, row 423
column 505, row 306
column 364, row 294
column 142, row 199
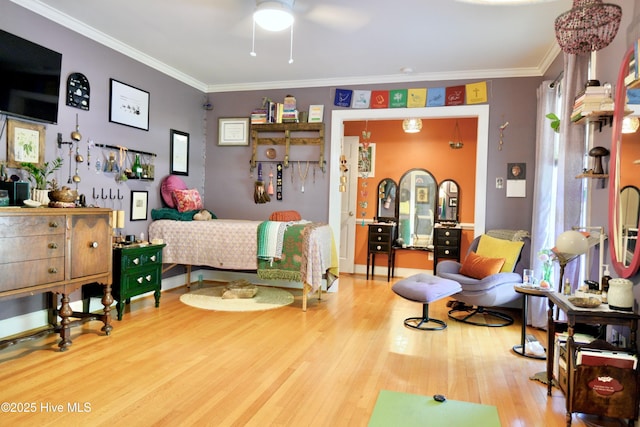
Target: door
column 348, row 206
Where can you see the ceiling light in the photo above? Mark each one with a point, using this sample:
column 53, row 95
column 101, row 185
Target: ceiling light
column 274, row 15
column 412, row 125
column 630, row 124
column 588, row 27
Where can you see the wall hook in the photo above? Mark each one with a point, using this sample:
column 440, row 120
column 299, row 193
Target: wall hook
column 119, row 196
column 111, row 196
column 104, row 197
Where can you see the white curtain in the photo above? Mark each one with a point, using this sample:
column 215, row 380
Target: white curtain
column 557, row 194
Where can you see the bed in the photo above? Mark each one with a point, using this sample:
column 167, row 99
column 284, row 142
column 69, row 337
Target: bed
column 234, row 245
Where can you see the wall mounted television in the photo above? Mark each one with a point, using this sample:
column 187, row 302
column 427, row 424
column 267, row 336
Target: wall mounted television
column 29, row 79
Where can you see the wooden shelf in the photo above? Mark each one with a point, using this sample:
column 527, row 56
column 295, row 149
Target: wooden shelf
column 593, row 175
column 287, row 134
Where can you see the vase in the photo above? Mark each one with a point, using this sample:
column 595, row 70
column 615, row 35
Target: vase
column 547, row 273
column 40, row 196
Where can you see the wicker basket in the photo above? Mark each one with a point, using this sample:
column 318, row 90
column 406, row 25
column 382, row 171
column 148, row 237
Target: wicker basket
column 239, row 289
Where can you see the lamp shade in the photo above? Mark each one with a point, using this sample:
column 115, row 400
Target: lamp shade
column 275, row 15
column 572, row 242
column 412, row 125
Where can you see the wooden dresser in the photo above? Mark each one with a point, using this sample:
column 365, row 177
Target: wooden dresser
column 446, row 244
column 380, row 241
column 56, row 250
column 136, row 270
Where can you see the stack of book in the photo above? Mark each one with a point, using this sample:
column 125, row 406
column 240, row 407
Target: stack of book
column 259, row 116
column 591, row 99
column 276, row 112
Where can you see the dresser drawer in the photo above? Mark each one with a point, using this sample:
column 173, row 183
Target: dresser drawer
column 447, row 252
column 140, row 280
column 382, row 247
column 33, row 247
column 18, row 226
column 141, row 257
column 25, row 274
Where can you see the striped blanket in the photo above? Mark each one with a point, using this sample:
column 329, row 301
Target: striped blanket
column 270, row 238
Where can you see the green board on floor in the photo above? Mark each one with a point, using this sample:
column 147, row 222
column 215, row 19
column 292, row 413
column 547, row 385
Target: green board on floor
column 408, row 410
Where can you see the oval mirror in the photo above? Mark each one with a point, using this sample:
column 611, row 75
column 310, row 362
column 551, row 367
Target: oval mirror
column 625, row 262
column 386, row 211
column 629, row 217
column 417, row 198
column 448, row 201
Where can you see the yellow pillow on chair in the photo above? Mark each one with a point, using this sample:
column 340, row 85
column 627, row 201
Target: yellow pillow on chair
column 499, row 248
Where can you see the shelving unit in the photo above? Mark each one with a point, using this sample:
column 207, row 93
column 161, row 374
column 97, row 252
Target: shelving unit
column 287, row 134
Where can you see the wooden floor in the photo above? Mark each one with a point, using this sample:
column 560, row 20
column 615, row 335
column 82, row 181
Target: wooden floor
column 177, row 365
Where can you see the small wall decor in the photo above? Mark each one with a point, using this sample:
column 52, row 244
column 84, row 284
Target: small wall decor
column 367, row 160
column 179, row 152
column 233, row 131
column 78, row 91
column 128, row 105
column 25, row 143
column 139, row 202
column 516, row 180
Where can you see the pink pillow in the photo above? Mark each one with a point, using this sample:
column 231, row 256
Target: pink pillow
column 169, row 184
column 187, row 200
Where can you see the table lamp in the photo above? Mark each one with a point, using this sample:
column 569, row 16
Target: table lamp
column 569, row 245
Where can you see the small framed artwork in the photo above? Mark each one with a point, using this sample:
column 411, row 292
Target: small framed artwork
column 179, row 152
column 422, row 194
column 234, row 131
column 139, row 202
column 367, row 160
column 128, row 105
column 516, row 171
column 453, row 202
column 25, row 143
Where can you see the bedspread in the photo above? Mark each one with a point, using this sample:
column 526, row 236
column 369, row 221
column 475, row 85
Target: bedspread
column 233, row 245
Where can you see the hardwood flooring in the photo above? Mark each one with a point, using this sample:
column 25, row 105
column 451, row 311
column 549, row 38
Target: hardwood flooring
column 177, row 365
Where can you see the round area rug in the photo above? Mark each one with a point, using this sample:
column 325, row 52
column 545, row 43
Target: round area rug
column 267, row 298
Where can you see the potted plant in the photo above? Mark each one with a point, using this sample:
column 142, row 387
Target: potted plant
column 39, row 178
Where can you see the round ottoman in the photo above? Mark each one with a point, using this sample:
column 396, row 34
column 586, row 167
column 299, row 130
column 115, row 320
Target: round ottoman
column 425, row 288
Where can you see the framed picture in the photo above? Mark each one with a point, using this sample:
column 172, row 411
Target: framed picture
column 179, row 152
column 139, row 202
column 128, row 105
column 233, row 131
column 25, row 143
column 367, row 160
column 453, row 202
column 516, row 170
column 422, row 194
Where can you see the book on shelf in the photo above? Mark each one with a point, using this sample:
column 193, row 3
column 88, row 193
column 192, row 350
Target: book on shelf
column 597, row 357
column 316, row 113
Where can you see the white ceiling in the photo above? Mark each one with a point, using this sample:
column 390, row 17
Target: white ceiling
column 206, row 43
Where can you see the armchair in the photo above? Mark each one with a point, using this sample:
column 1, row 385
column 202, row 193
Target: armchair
column 489, row 286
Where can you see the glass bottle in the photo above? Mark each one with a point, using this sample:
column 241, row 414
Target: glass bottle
column 137, row 167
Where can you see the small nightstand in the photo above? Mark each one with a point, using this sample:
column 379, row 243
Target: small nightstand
column 136, row 270
column 380, row 241
column 447, row 244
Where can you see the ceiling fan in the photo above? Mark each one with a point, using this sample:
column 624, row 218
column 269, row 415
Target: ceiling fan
column 334, row 16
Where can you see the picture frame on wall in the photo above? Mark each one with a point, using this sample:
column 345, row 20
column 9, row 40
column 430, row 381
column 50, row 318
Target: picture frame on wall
column 139, row 204
column 179, row 161
column 128, row 105
column 233, row 131
column 25, row 143
column 367, row 160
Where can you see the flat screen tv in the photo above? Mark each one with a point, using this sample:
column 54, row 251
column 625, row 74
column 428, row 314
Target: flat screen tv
column 29, row 79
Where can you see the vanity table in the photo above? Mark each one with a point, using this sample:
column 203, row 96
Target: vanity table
column 380, row 241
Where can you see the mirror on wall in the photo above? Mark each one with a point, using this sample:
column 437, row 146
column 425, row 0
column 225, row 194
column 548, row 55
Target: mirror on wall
column 387, row 207
column 625, row 254
column 448, row 201
column 630, row 215
column 417, row 207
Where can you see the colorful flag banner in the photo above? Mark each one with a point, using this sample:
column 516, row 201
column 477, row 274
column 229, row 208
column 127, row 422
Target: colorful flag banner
column 476, row 93
column 435, row 97
column 379, row 99
column 361, row 99
column 343, row 98
column 454, row 95
column 398, row 98
column 416, row 98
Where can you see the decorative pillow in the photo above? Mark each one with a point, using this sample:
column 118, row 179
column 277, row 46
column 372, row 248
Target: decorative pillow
column 187, row 200
column 285, row 216
column 479, row 267
column 169, row 184
column 495, row 248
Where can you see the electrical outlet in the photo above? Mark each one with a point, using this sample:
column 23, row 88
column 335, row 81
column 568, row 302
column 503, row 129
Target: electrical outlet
column 499, row 183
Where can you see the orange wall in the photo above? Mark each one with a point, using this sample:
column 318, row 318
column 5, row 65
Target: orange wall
column 397, row 152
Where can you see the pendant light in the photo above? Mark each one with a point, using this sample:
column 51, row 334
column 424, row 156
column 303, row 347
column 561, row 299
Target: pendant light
column 412, row 125
column 273, row 15
column 588, row 27
column 456, row 138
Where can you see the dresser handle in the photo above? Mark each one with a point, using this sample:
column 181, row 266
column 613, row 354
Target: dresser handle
column 447, row 242
column 53, row 224
column 447, row 233
column 53, row 245
column 94, row 244
column 148, row 277
column 379, row 238
column 53, row 270
column 136, row 261
column 378, row 247
column 139, row 280
column 446, row 251
column 153, row 258
column 379, row 230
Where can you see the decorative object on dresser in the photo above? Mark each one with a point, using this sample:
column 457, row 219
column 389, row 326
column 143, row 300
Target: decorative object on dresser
column 56, row 250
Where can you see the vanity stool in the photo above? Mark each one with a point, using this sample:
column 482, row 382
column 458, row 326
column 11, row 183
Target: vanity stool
column 425, row 288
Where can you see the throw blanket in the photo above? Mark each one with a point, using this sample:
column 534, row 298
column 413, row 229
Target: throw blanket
column 169, row 213
column 288, row 267
column 270, row 240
